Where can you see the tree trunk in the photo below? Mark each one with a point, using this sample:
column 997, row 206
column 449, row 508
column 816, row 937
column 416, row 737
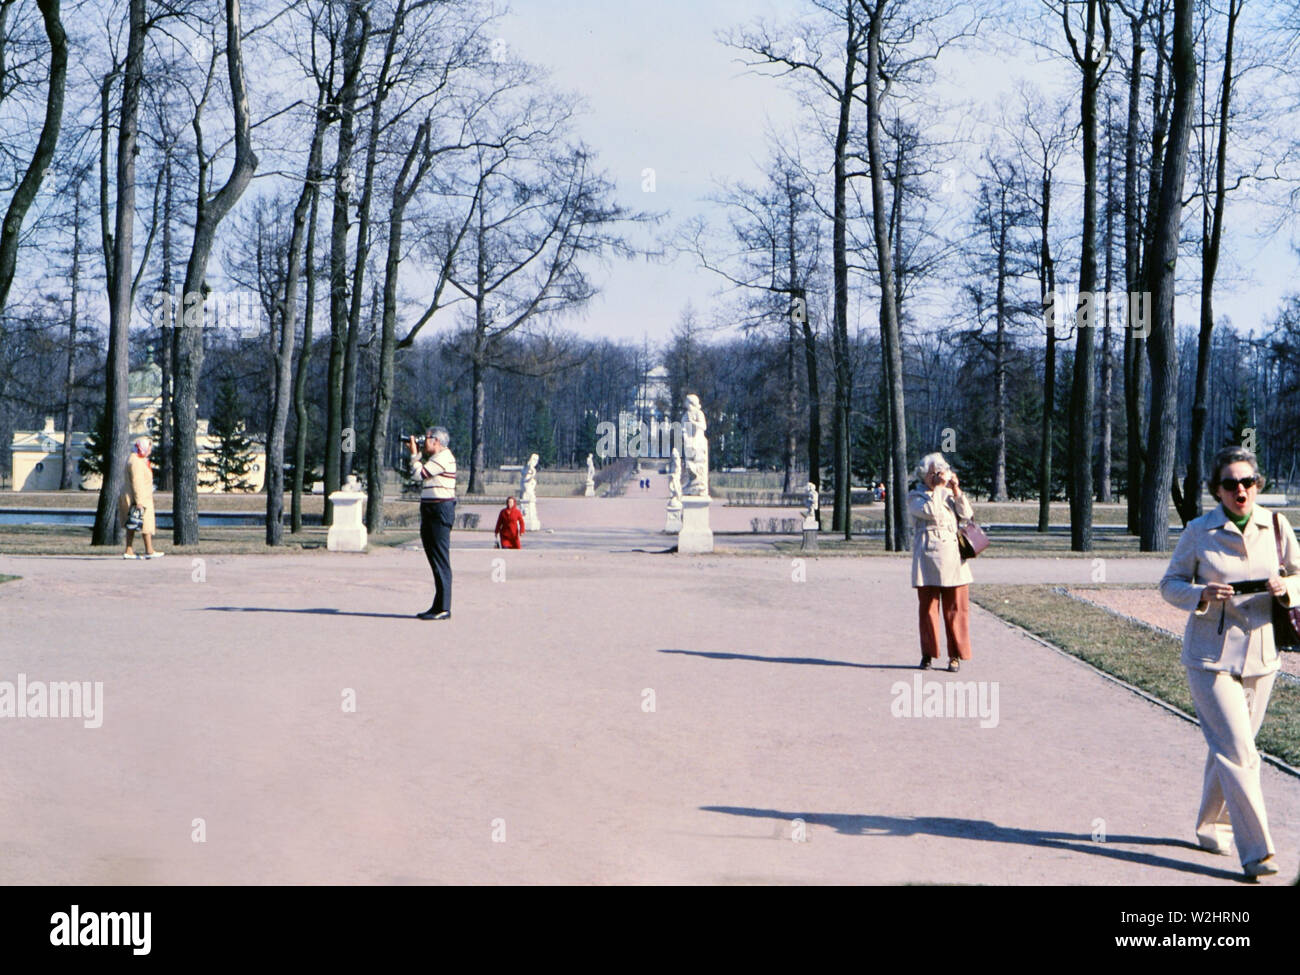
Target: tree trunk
column 814, row 400
column 167, row 338
column 301, row 419
column 1107, row 369
column 1211, row 238
column 1047, row 287
column 891, row 338
column 288, row 327
column 477, row 420
column 107, row 529
column 1000, row 361
column 1161, row 262
column 841, row 518
column 1083, row 392
column 208, row 216
column 403, row 190
column 1134, row 341
column 68, row 478
column 353, row 55
column 792, row 340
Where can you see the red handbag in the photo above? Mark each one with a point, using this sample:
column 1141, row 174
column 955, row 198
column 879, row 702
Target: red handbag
column 1286, row 619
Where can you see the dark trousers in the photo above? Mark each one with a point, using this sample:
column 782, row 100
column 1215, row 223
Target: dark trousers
column 436, row 518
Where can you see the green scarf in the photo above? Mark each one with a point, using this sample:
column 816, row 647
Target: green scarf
column 1239, row 522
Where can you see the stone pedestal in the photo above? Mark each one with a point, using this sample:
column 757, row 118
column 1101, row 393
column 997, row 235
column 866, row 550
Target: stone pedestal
column 348, row 533
column 531, row 522
column 809, row 543
column 695, row 537
column 673, row 522
column 591, row 489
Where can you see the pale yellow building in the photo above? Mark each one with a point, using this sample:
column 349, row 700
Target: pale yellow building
column 36, row 456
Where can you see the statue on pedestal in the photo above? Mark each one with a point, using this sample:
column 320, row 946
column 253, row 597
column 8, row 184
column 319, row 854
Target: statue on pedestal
column 673, row 520
column 528, row 495
column 591, row 479
column 696, row 442
column 810, row 520
column 675, row 481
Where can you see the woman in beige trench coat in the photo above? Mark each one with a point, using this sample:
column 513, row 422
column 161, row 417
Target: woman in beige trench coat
column 138, row 490
column 1226, row 573
column 939, row 575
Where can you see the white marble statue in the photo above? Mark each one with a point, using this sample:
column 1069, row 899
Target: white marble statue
column 810, row 515
column 675, row 481
column 696, row 441
column 590, row 491
column 528, row 480
column 528, row 495
column 673, row 518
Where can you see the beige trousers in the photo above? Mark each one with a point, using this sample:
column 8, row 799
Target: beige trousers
column 1231, row 710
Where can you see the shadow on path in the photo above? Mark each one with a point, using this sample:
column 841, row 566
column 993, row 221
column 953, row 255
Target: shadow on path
column 320, row 611
column 719, row 655
column 982, row 829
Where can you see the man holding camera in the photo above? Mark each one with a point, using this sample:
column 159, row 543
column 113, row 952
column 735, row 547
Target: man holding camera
column 436, row 471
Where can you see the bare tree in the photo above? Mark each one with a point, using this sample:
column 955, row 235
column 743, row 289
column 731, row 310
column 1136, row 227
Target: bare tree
column 1161, row 265
column 356, row 35
column 43, row 154
column 1093, row 58
column 1212, row 202
column 539, row 213
column 770, row 255
column 1041, row 135
column 210, row 210
column 998, row 252
column 118, row 256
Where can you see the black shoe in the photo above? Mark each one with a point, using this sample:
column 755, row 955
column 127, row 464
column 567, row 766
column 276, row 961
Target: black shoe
column 429, row 614
column 926, row 661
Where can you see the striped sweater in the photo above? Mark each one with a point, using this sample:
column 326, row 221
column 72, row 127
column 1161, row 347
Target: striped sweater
column 436, row 474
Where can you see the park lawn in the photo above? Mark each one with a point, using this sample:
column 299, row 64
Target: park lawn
column 5, row 578
column 1133, row 653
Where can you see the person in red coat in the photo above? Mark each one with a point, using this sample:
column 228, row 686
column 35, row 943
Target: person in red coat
column 510, row 525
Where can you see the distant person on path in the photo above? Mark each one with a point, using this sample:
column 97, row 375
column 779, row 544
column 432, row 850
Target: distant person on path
column 939, row 575
column 138, row 493
column 1225, row 572
column 436, row 472
column 510, row 525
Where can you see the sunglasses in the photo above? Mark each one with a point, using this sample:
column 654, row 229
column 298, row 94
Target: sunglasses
column 1231, row 483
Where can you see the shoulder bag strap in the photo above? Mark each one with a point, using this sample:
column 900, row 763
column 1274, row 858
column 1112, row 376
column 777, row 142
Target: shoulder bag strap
column 1277, row 537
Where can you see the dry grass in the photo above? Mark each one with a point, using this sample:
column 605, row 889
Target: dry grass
column 1131, row 652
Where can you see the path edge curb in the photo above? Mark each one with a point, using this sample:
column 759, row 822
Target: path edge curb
column 1146, row 695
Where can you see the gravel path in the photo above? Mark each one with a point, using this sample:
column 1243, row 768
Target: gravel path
column 591, row 717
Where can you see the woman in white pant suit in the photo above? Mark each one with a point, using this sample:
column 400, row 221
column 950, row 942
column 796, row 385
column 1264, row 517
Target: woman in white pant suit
column 1225, row 571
